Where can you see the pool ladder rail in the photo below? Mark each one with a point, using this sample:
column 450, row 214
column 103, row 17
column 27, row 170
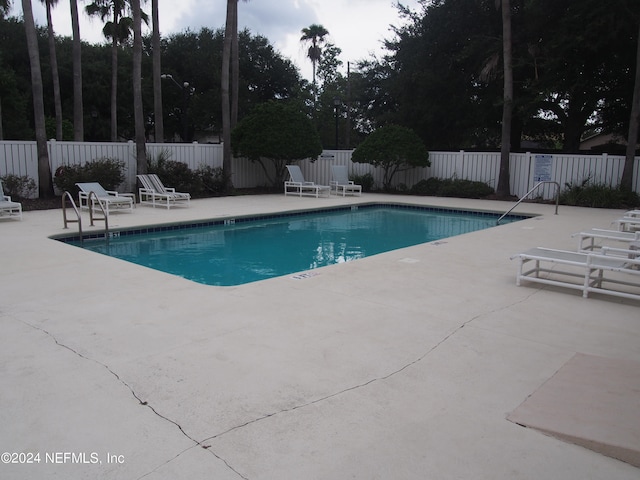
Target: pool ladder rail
column 529, row 193
column 78, row 218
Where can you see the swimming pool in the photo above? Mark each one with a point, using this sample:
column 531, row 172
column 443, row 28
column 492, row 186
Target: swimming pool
column 243, row 250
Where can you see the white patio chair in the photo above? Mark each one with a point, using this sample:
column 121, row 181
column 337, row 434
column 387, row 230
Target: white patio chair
column 153, row 192
column 589, row 272
column 8, row 207
column 109, row 199
column 297, row 185
column 587, row 239
column 340, row 181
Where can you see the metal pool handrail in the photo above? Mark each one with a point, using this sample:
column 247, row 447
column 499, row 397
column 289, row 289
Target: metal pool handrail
column 78, row 219
column 528, row 193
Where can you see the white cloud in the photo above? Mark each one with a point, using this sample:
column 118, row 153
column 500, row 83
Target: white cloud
column 358, row 27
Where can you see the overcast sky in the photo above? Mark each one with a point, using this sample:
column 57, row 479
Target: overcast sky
column 356, row 26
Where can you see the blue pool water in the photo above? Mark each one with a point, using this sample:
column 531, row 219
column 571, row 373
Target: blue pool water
column 259, row 248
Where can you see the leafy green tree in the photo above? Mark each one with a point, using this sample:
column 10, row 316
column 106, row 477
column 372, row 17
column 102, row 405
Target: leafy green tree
column 13, row 105
column 276, row 133
column 584, row 60
column 438, row 81
column 392, row 148
column 264, row 75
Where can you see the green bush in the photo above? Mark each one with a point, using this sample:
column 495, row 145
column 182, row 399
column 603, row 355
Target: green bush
column 205, row 181
column 19, row 187
column 177, row 175
column 108, row 172
column 366, row 181
column 211, row 180
column 598, row 196
column 452, row 188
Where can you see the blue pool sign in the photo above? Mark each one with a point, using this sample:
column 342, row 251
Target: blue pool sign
column 542, row 168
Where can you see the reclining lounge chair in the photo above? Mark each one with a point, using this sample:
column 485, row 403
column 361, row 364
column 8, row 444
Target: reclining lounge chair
column 153, row 193
column 340, row 182
column 8, row 207
column 297, row 185
column 628, row 223
column 602, row 272
column 109, row 199
column 587, row 239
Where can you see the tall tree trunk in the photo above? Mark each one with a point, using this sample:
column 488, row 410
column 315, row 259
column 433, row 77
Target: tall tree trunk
column 114, row 78
column 157, row 72
column 44, row 169
column 503, row 189
column 235, row 67
column 626, row 182
column 138, row 113
column 78, row 114
column 226, row 100
column 57, row 102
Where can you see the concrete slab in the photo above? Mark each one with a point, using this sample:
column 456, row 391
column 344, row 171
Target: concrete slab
column 591, row 401
column 400, row 365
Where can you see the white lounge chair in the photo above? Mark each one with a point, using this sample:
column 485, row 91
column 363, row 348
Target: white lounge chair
column 8, row 207
column 588, row 272
column 109, row 199
column 297, row 185
column 153, row 192
column 587, row 239
column 628, row 223
column 340, row 182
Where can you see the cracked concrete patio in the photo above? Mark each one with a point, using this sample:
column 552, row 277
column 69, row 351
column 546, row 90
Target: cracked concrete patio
column 403, row 365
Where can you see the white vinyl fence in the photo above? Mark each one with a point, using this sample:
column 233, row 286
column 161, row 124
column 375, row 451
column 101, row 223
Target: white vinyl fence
column 20, row 158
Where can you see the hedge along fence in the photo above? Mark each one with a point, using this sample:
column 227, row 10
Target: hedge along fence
column 20, row 158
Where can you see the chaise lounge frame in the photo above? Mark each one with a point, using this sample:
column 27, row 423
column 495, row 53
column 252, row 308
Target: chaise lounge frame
column 154, row 193
column 109, row 199
column 340, row 182
column 8, row 207
column 297, row 185
column 599, row 273
column 587, row 239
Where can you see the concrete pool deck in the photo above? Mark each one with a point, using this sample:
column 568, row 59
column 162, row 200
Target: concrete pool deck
column 405, row 365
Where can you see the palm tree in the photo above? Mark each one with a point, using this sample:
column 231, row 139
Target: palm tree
column 5, row 5
column 503, row 189
column 224, row 90
column 44, row 170
column 57, row 102
column 78, row 115
column 230, row 67
column 118, row 29
column 626, row 182
column 314, row 34
column 138, row 112
column 157, row 73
